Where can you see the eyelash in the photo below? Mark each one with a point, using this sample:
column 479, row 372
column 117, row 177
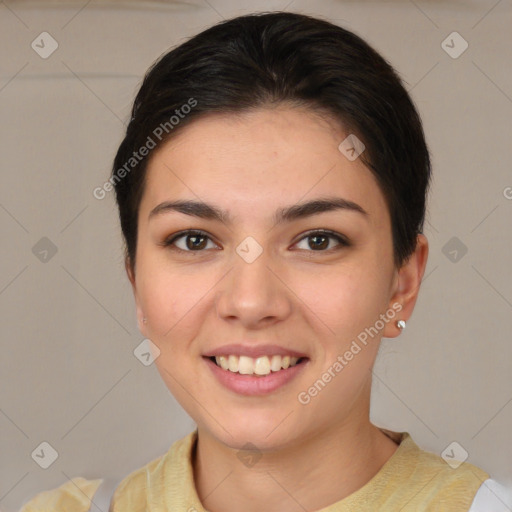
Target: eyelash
column 342, row 241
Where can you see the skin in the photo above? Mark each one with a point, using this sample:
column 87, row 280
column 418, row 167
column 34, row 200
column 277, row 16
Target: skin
column 315, row 301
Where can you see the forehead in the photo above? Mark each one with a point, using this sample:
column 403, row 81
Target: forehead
column 259, row 160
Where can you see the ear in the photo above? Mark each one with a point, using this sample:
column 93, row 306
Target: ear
column 130, row 271
column 406, row 286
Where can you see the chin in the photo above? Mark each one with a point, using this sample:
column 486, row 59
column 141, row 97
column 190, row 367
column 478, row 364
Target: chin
column 265, row 433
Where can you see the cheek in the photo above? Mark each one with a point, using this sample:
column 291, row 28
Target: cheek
column 170, row 300
column 344, row 299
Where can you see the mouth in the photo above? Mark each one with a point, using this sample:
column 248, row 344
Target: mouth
column 258, row 366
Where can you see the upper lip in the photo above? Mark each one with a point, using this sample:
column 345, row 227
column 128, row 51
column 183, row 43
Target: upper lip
column 253, row 351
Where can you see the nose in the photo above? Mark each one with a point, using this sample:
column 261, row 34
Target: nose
column 254, row 294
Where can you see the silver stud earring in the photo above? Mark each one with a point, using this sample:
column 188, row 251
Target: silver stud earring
column 401, row 324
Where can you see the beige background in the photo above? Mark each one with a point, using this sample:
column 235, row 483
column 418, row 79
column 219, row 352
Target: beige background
column 68, row 372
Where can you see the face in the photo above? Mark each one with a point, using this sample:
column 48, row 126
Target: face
column 307, row 283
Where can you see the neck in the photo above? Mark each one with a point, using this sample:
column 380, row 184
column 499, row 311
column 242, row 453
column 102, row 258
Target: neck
column 314, row 473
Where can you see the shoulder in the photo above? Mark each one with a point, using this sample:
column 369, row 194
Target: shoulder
column 149, row 483
column 450, row 476
column 428, row 481
column 73, row 496
column 131, row 493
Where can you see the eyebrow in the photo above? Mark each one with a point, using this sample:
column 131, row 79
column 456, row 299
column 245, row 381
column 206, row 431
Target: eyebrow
column 207, row 211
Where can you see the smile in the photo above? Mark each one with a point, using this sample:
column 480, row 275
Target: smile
column 251, row 383
column 263, row 365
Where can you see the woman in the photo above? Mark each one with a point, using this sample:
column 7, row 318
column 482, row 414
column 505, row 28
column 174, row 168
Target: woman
column 271, row 188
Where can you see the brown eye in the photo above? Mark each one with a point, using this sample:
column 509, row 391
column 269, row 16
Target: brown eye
column 194, row 241
column 318, row 241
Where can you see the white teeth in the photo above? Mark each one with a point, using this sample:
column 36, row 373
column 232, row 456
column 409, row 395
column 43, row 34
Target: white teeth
column 245, row 365
column 233, row 363
column 275, row 364
column 260, row 366
column 223, row 362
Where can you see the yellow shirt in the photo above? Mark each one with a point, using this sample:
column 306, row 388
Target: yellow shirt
column 412, row 480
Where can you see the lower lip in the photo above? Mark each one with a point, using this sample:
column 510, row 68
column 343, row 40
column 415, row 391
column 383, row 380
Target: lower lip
column 251, row 385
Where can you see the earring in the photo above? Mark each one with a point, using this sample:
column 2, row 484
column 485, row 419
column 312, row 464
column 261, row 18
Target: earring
column 144, row 320
column 401, row 324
